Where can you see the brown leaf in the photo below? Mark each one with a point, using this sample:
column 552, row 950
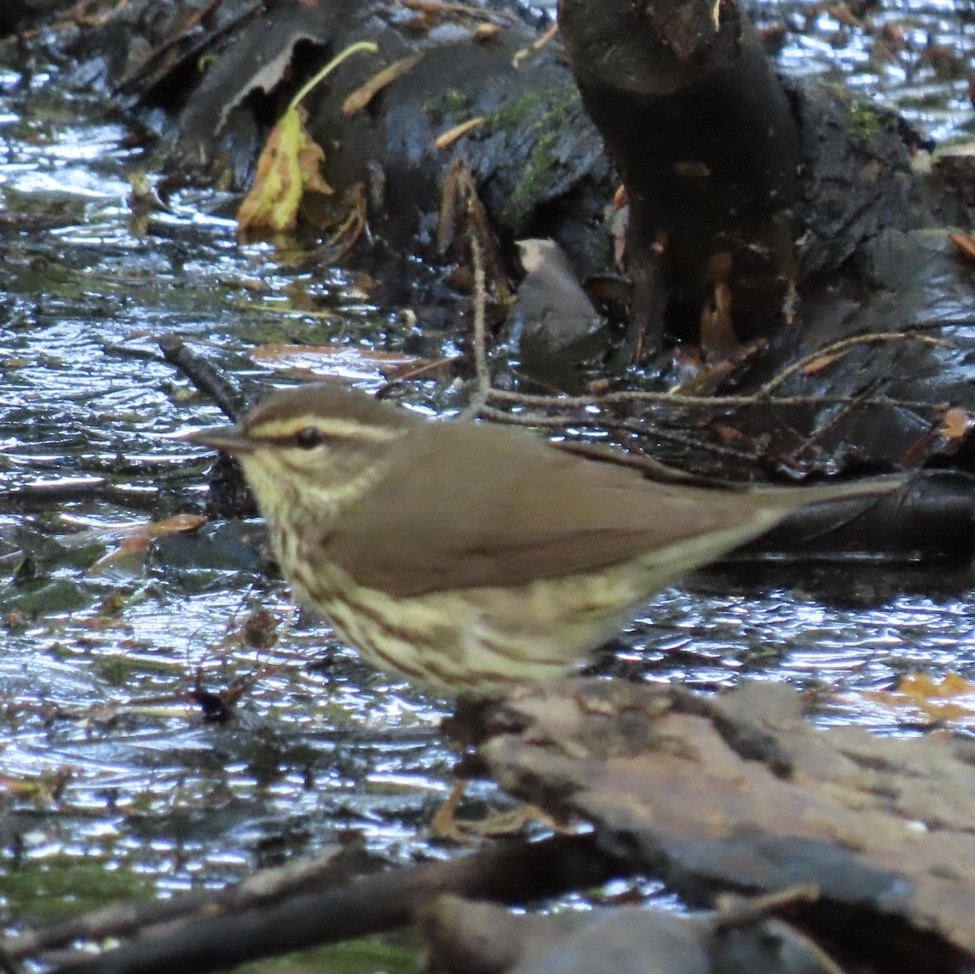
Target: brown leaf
column 965, row 243
column 282, row 352
column 952, row 698
column 175, row 524
column 486, row 32
column 955, row 423
column 820, row 363
column 136, row 539
column 338, row 360
column 448, row 138
column 365, row 93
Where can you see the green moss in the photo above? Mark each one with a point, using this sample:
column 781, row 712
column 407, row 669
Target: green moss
column 453, row 100
column 364, row 956
column 45, row 597
column 448, row 101
column 117, row 671
column 542, row 117
column 865, row 121
column 838, row 88
column 863, row 118
column 65, row 886
column 545, row 109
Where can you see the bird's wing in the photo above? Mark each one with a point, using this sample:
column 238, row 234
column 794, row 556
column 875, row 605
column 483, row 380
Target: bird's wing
column 529, row 514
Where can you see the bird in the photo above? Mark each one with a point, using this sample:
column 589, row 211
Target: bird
column 552, row 323
column 470, row 557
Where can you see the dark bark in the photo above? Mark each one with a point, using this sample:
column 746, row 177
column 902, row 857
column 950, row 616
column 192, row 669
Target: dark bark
column 510, row 874
column 703, row 134
column 19, row 14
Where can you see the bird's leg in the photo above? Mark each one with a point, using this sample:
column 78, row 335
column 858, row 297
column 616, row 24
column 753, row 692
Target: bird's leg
column 444, row 826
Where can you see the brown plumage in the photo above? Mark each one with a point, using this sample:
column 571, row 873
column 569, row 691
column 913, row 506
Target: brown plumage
column 471, row 556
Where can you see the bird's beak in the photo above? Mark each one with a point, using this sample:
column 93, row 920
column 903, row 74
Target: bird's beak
column 230, row 439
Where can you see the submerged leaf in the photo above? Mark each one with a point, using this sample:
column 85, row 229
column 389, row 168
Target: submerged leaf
column 952, row 698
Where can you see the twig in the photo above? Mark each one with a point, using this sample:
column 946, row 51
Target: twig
column 736, row 911
column 841, row 414
column 676, row 399
column 843, row 346
column 562, row 420
column 129, row 916
column 513, row 874
column 233, row 396
column 480, row 331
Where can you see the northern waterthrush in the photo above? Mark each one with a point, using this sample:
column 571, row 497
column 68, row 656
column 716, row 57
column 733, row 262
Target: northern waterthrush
column 470, row 557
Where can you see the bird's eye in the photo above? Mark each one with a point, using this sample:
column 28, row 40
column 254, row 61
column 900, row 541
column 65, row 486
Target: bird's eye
column 309, row 438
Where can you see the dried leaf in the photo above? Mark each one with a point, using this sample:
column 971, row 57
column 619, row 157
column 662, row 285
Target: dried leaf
column 151, row 529
column 339, row 360
column 921, row 685
column 175, row 524
column 290, row 164
column 820, row 363
column 486, row 32
column 136, row 539
column 439, row 7
column 365, row 93
column 618, row 228
column 955, row 423
column 449, row 137
column 964, row 243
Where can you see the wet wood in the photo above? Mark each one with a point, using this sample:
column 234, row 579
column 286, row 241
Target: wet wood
column 704, row 137
column 481, row 938
column 741, row 793
column 511, row 874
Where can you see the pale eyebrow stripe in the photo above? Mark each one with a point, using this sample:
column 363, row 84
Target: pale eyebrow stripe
column 286, row 429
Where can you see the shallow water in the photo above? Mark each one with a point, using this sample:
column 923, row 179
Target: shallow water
column 111, row 781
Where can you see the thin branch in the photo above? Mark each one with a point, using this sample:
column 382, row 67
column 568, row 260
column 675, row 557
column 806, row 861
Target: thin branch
column 480, row 312
column 509, row 873
column 676, row 399
column 843, row 346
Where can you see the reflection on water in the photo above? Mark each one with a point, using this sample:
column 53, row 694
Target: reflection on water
column 823, row 631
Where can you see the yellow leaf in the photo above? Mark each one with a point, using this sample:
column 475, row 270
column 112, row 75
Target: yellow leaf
column 311, row 156
column 290, row 164
column 920, row 686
